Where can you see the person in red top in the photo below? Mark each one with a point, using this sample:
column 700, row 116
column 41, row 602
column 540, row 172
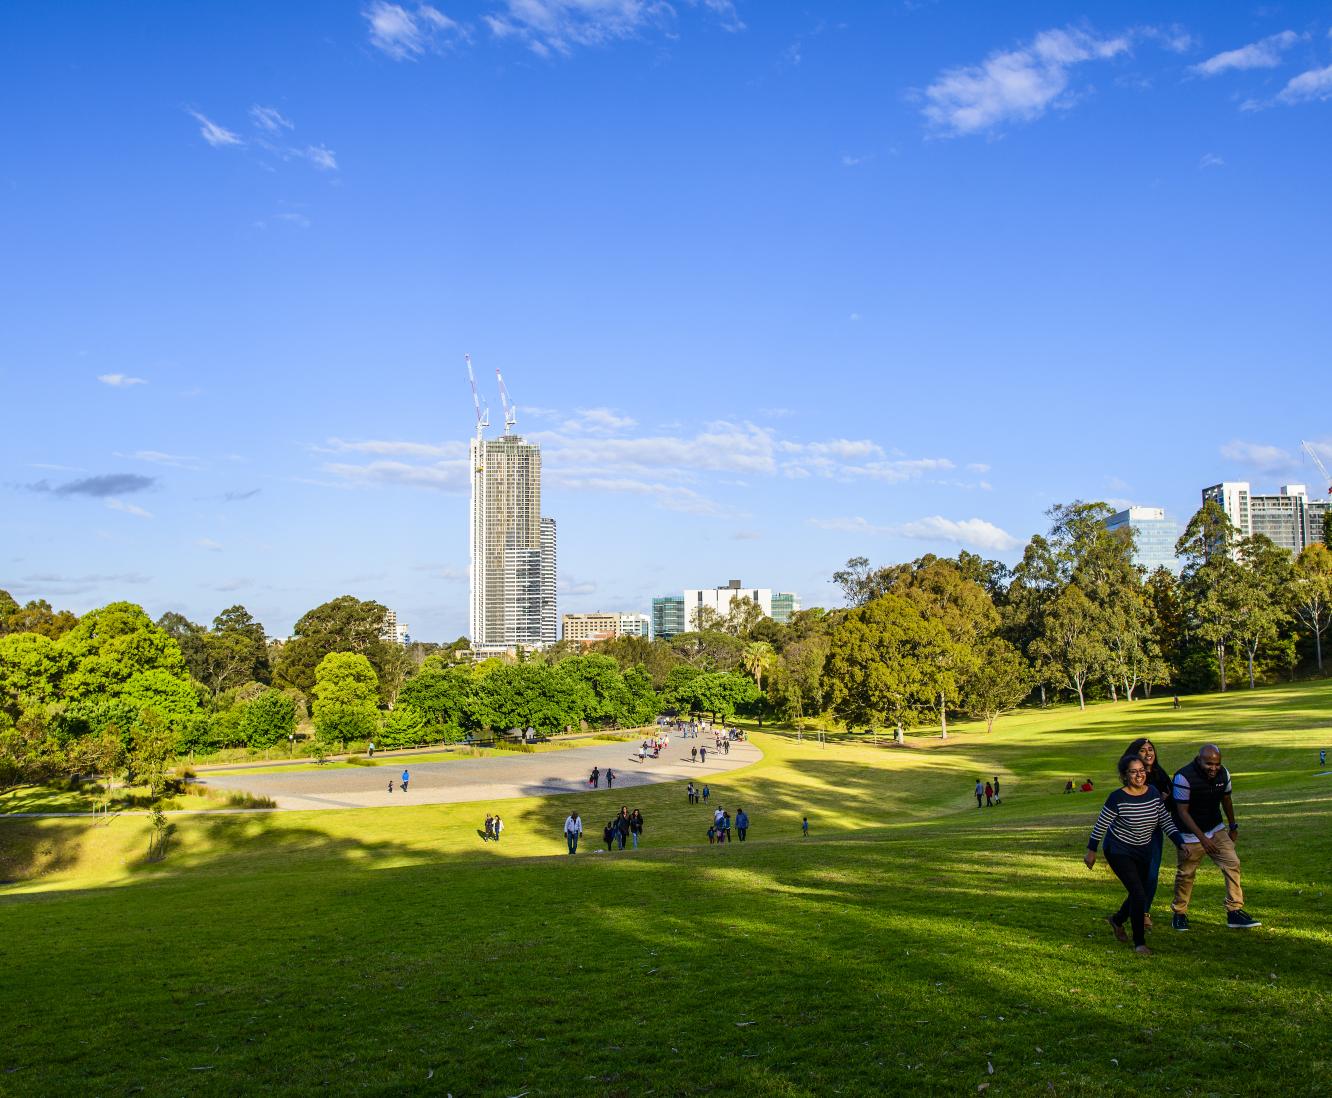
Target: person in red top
column 989, row 795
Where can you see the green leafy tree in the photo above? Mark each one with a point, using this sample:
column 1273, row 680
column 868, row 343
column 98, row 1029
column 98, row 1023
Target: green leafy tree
column 345, row 694
column 152, row 750
column 344, row 624
column 607, row 696
column 885, row 665
column 35, row 616
column 1265, row 575
column 757, row 659
column 1072, row 648
column 530, row 695
column 643, row 704
column 1311, row 593
column 269, row 719
column 191, row 638
column 235, row 651
column 32, row 667
column 404, row 726
column 798, row 677
column 443, row 696
column 742, row 617
column 655, row 657
column 111, row 645
column 997, row 683
column 1211, row 578
column 29, row 755
column 172, row 698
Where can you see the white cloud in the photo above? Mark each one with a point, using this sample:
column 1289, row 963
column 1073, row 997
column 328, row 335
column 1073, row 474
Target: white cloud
column 598, row 421
column 1263, row 54
column 397, row 449
column 854, row 161
column 120, row 381
column 671, row 497
column 209, row 544
column 270, row 119
column 975, row 532
column 297, row 219
column 320, row 157
column 1211, row 160
column 217, row 136
column 157, row 457
column 1016, row 85
column 567, row 585
column 548, row 27
column 1311, row 85
column 128, row 508
column 405, row 35
column 978, row 467
column 442, row 476
column 1260, row 456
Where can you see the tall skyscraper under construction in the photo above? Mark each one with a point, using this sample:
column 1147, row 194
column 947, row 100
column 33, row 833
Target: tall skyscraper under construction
column 512, row 567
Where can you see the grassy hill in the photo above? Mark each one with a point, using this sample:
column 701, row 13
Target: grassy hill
column 910, row 945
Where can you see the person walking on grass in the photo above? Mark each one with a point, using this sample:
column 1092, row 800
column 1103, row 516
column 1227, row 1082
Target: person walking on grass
column 1201, row 792
column 997, row 799
column 689, row 792
column 573, row 829
column 636, row 826
column 622, row 826
column 498, row 826
column 980, row 793
column 490, row 828
column 741, row 823
column 712, row 834
column 989, row 795
column 706, row 792
column 1159, row 779
column 608, row 835
column 804, row 827
column 1127, row 821
column 726, row 826
column 405, row 778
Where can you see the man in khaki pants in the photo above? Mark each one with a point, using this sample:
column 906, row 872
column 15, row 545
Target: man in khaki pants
column 1200, row 792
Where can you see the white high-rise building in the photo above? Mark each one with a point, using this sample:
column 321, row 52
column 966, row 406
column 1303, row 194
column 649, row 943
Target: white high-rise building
column 512, row 553
column 1290, row 518
column 393, row 630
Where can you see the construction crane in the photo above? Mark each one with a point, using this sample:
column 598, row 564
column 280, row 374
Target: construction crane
column 482, row 417
column 1327, row 480
column 510, row 411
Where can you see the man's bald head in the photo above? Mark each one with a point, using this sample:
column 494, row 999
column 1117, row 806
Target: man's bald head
column 1209, row 757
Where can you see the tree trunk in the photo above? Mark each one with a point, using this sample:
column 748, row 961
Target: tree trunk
column 898, row 737
column 1221, row 659
column 1249, row 656
column 1042, row 695
column 989, row 723
column 1114, row 692
column 1082, row 703
column 943, row 717
column 1318, row 647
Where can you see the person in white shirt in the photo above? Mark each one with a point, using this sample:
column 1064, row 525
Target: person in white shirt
column 573, row 828
column 498, row 826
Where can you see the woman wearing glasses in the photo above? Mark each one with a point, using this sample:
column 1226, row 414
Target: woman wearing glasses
column 1128, row 822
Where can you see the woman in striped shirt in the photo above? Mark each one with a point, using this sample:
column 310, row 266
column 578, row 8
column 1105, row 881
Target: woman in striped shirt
column 1129, row 819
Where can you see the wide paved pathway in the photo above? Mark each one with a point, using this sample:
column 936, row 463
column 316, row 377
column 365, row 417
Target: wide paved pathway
column 495, row 778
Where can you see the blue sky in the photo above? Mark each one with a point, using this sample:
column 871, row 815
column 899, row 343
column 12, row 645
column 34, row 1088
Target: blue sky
column 774, row 285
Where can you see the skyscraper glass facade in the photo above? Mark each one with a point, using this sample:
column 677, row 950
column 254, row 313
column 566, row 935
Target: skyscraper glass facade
column 668, row 616
column 1154, row 536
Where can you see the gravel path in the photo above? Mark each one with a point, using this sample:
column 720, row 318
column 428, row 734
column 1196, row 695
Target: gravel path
column 519, row 775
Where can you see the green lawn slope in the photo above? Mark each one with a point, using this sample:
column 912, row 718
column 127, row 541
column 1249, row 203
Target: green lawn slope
column 911, row 945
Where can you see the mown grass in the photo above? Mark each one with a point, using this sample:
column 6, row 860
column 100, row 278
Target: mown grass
column 911, row 944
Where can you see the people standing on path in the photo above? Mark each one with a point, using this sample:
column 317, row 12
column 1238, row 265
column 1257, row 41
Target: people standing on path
column 693, row 754
column 573, row 828
column 980, row 793
column 989, row 795
column 610, row 778
column 1127, row 821
column 390, row 785
column 595, row 778
column 703, row 754
column 1202, row 791
column 371, row 749
column 405, row 777
column 1159, row 779
column 997, row 799
column 636, row 826
column 741, row 823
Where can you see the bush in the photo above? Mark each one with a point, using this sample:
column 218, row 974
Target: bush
column 404, row 726
column 268, row 720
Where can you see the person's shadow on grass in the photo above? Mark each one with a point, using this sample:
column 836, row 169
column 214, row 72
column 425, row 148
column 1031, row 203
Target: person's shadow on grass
column 482, row 835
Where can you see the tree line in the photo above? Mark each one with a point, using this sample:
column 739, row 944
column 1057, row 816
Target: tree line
column 917, row 643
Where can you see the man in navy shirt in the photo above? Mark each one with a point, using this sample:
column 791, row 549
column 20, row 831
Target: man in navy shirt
column 1201, row 791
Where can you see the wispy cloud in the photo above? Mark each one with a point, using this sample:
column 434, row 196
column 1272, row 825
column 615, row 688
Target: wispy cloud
column 236, row 497
column 97, row 487
column 49, row 584
column 297, row 219
column 217, row 136
column 1258, row 455
column 849, row 161
column 321, row 157
column 157, row 457
column 209, row 544
column 1017, row 85
column 128, row 508
column 270, row 119
column 407, row 34
column 1316, row 84
column 120, row 381
column 975, row 532
column 549, row 27
column 1263, row 54
column 1211, row 160
column 568, row 585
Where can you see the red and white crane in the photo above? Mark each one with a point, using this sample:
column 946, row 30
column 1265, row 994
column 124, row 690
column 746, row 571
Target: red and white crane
column 1327, row 480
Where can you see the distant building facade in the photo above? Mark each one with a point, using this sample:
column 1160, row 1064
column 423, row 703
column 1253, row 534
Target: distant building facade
column 394, row 631
column 784, row 604
column 512, row 601
column 1290, row 518
column 719, row 599
column 668, row 616
column 603, row 625
column 1156, row 535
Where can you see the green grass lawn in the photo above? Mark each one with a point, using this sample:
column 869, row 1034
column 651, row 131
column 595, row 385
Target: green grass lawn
column 909, row 946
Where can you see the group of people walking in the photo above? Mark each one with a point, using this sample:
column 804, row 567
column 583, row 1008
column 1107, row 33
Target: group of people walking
column 720, row 831
column 1151, row 806
column 494, row 825
column 625, row 826
column 987, row 793
column 698, row 794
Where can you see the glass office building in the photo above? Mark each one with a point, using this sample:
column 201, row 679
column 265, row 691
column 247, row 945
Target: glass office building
column 1155, row 536
column 668, row 616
